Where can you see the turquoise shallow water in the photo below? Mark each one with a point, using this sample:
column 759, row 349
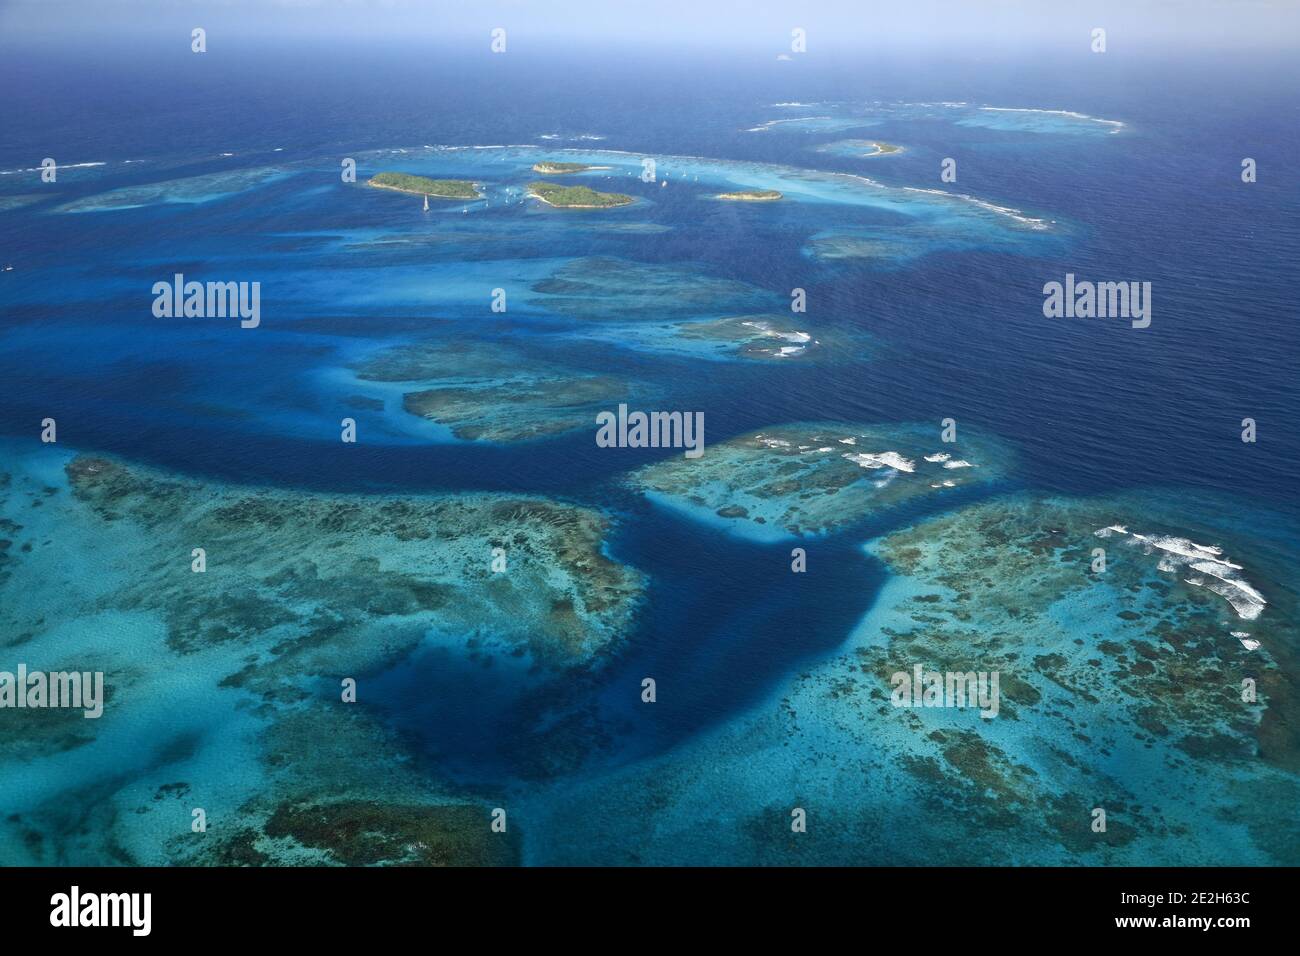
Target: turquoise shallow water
column 522, row 687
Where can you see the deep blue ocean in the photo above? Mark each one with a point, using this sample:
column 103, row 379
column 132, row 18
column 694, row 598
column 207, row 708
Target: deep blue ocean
column 949, row 328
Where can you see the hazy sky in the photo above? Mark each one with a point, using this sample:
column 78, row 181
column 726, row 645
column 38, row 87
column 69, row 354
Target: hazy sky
column 1132, row 25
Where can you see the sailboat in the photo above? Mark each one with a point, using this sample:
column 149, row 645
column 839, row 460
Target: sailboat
column 426, row 202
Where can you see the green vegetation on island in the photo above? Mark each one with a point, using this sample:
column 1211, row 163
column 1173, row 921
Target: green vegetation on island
column 752, row 195
column 559, row 169
column 576, row 197
column 437, row 188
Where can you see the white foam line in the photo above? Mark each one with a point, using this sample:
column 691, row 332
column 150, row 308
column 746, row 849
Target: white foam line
column 764, row 127
column 1015, row 214
column 37, row 169
column 1071, row 113
column 884, row 459
column 1214, row 570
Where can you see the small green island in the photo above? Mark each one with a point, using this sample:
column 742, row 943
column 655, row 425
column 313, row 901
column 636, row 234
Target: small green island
column 420, row 185
column 883, row 149
column 576, row 197
column 752, row 195
column 561, row 169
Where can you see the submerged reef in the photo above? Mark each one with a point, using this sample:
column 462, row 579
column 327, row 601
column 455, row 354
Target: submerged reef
column 1119, row 691
column 896, row 245
column 860, row 148
column 321, row 585
column 600, row 287
column 225, row 668
column 679, row 311
column 520, row 409
column 362, row 834
column 1121, row 673
column 382, row 810
column 751, row 336
column 192, row 189
column 17, row 202
column 751, row 195
column 493, row 392
column 744, row 338
column 848, row 115
column 815, row 477
column 1022, row 120
column 1172, row 639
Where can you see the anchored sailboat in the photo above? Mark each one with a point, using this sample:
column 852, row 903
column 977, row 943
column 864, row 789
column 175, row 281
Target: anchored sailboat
column 426, row 202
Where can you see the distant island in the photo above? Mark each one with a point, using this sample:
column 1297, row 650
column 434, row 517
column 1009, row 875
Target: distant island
column 576, row 197
column 437, row 188
column 881, row 149
column 752, row 195
column 861, row 148
column 560, row 169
